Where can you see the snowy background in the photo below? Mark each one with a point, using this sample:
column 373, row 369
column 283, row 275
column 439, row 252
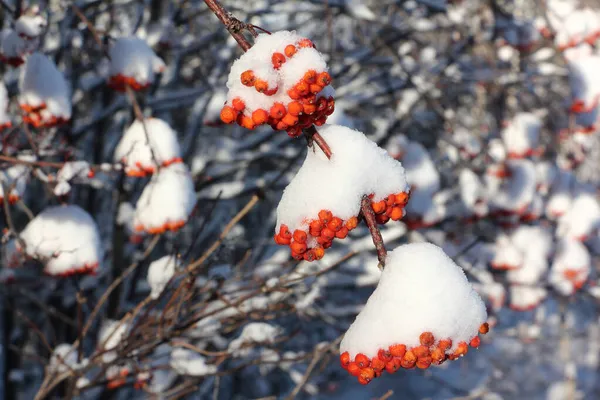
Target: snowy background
column 138, row 258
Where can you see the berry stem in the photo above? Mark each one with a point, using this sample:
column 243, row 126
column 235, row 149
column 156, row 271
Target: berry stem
column 369, row 216
column 233, row 25
column 312, row 136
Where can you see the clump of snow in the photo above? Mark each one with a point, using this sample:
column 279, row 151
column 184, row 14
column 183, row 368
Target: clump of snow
column 521, row 136
column 65, row 238
column 133, row 63
column 584, row 82
column 72, row 170
column 401, row 308
column 472, row 192
column 43, row 92
column 571, row 266
column 582, row 218
column 346, row 180
column 507, row 255
column 30, row 25
column 526, row 298
column 188, row 362
column 15, row 179
column 12, row 48
column 5, row 121
column 146, row 144
column 167, row 200
column 270, row 73
column 255, row 332
column 160, row 273
column 64, row 358
column 517, row 191
column 112, row 332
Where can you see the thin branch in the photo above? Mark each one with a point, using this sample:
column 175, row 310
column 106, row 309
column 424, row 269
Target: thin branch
column 369, row 216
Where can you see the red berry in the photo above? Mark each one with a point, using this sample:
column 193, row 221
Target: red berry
column 362, row 361
column 277, row 59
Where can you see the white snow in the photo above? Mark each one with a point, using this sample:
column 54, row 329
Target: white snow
column 160, row 273
column 254, row 332
column 584, row 82
column 145, row 144
column 346, row 180
column 131, row 57
column 5, row 120
column 582, row 218
column 517, row 191
column 507, row 254
column 43, row 87
column 12, row 47
column 571, row 266
column 64, row 358
column 79, row 170
column 65, row 238
column 521, row 136
column 15, row 178
column 524, row 298
column 112, row 332
column 402, row 307
column 30, row 25
column 188, row 362
column 167, row 200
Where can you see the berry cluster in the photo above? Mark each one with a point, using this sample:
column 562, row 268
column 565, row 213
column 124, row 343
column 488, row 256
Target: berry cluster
column 311, row 245
column 141, row 171
column 172, row 226
column 120, row 82
column 399, row 356
column 40, row 117
column 85, row 269
column 289, row 90
column 392, row 207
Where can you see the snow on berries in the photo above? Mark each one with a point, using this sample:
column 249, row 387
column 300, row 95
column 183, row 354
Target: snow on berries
column 133, row 63
column 521, row 136
column 15, row 178
column 166, row 202
column 5, row 121
column 65, row 239
column 581, row 219
column 30, row 24
column 407, row 324
column 282, row 81
column 160, row 273
column 12, row 48
column 146, row 145
column 571, row 266
column 584, row 82
column 44, row 94
column 323, row 200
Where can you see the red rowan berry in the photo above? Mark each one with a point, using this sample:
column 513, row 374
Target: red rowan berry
column 345, row 359
column 382, row 218
column 409, row 360
column 377, row 364
column 396, row 214
column 277, row 59
column 260, row 116
column 290, row 120
column 310, row 76
column 294, row 131
column 315, row 88
column 324, row 79
column 353, row 369
column 325, row 216
column 475, row 342
column 247, row 122
column 378, row 207
column 342, row 233
column 294, row 94
column 299, row 236
column 295, row 108
column 310, row 256
column 401, row 198
column 281, row 126
column 228, row 114
column 327, row 244
column 352, row 223
column 297, row 256
column 445, row 344
column 426, row 339
column 484, row 328
column 290, row 50
column 367, row 374
column 261, row 86
column 393, row 365
column 398, row 350
column 461, row 350
column 424, row 362
column 271, row 92
column 309, row 109
column 319, row 252
column 316, row 224
column 327, row 234
column 335, row 224
column 420, row 351
column 248, row 78
column 284, row 231
column 305, row 43
column 384, row 355
column 438, row 355
column 302, row 88
column 238, row 104
column 362, row 361
column 299, row 248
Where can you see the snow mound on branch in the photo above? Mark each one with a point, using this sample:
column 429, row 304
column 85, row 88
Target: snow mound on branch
column 112, row 332
column 582, row 218
column 516, row 192
column 15, row 179
column 584, row 82
column 560, row 198
column 72, row 170
column 160, row 273
column 472, row 192
column 507, row 256
column 357, row 167
column 64, row 358
column 131, row 57
column 12, row 47
column 521, row 136
column 5, row 121
column 571, row 266
column 255, row 332
column 30, row 25
column 188, row 362
column 65, row 238
column 402, row 307
column 140, row 152
column 42, row 87
column 167, row 200
column 525, row 298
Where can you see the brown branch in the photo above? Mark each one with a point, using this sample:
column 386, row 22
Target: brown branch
column 233, row 25
column 369, row 216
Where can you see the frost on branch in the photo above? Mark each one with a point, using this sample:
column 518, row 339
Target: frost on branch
column 15, row 179
column 5, row 121
column 146, row 144
column 160, row 273
column 12, row 48
column 64, row 238
column 112, row 333
column 44, row 95
column 571, row 267
column 323, row 200
column 407, row 323
column 133, row 63
column 521, row 136
column 166, row 202
column 283, row 81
